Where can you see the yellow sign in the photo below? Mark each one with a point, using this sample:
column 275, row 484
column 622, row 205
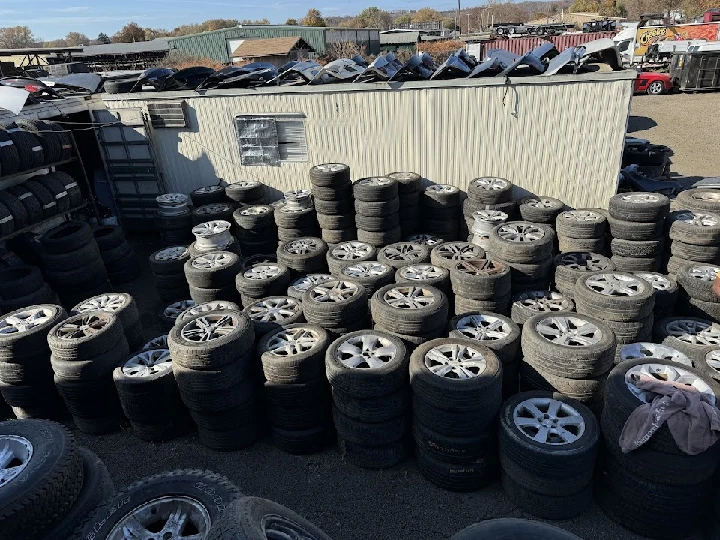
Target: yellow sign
column 652, row 34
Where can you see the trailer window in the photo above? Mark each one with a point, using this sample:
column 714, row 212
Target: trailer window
column 271, row 139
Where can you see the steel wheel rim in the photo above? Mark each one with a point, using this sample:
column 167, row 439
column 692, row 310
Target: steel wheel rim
column 455, row 361
column 293, row 341
column 703, row 272
column 491, row 183
column 483, row 327
column 15, row 455
column 209, row 327
column 580, row 215
column 180, row 514
column 26, row 320
column 548, row 421
column 402, row 252
column 273, row 309
column 421, row 272
column 302, row 246
column 211, row 260
column 174, row 310
column 409, row 297
column 209, row 189
column 351, row 251
column 520, row 233
column 366, row 269
column 641, row 198
column 694, row 332
column 366, row 351
column 147, row 363
column 698, row 219
column 81, row 327
column 334, row 291
column 458, row 251
column 480, row 267
column 254, row 211
column 643, row 349
column 425, row 239
column 657, row 281
column 712, row 359
column 569, row 331
column 621, row 285
column 160, row 342
column 543, row 301
column 666, row 373
column 302, row 284
column 172, row 253
column 262, row 271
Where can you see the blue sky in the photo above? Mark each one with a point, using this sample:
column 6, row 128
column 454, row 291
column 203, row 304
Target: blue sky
column 54, row 19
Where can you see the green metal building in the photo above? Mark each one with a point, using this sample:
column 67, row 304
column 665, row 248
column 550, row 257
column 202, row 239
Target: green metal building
column 218, row 44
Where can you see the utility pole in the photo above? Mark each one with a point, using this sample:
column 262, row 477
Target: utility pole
column 468, row 28
column 457, row 17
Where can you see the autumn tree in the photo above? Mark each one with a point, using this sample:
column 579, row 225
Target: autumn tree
column 374, row 17
column 257, row 21
column 313, row 18
column 16, row 37
column 154, row 33
column 426, row 15
column 130, row 33
column 291, row 22
column 73, row 39
column 449, row 23
column 103, row 38
column 218, row 24
column 405, row 18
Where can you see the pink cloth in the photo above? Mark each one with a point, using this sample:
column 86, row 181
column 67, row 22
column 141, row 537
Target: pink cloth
column 692, row 420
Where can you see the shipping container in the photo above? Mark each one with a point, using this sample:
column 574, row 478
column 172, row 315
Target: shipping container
column 696, row 70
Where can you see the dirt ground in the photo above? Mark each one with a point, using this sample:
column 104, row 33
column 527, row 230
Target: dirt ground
column 688, row 123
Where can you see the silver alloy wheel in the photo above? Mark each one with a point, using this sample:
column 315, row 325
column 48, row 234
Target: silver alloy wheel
column 366, row 269
column 375, row 181
column 409, row 297
column 455, row 361
column 330, row 167
column 403, row 176
column 160, row 342
column 211, row 228
column 303, row 283
column 25, row 321
column 214, row 208
column 569, row 331
column 635, row 351
column 256, row 210
column 421, row 272
column 520, row 232
column 663, row 372
column 84, row 326
column 366, row 351
column 425, row 239
column 694, row 332
column 302, row 246
column 641, row 198
column 697, row 219
column 334, row 291
column 293, row 341
column 580, row 215
column 174, row 310
column 262, row 271
column 172, row 199
column 584, row 261
column 197, row 309
column 403, row 251
column 244, row 184
column 543, row 301
column 351, row 251
column 483, row 327
column 442, row 188
column 711, row 195
column 147, row 363
column 615, row 284
column 165, row 518
column 480, row 267
column 491, row 183
column 712, row 359
column 208, row 189
column 211, row 260
column 549, row 421
column 458, row 251
column 490, row 216
column 539, row 202
column 273, row 309
column 657, row 281
column 171, row 254
column 209, row 327
column 104, row 302
column 703, row 272
column 15, row 455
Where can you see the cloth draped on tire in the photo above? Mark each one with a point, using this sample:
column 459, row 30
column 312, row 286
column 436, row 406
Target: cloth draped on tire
column 693, row 422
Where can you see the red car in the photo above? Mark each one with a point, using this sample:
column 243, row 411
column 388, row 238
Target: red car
column 649, row 82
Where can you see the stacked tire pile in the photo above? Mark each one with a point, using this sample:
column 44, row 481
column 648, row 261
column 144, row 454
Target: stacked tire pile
column 211, row 276
column 73, row 263
column 305, row 255
column 168, row 313
column 295, row 216
column 246, row 193
column 298, row 286
column 123, row 306
column 702, row 200
column 414, row 313
column 448, row 254
column 333, row 193
column 694, row 238
column 191, row 310
column 539, row 209
column 377, row 210
column 53, row 484
column 26, row 377
column 698, row 298
column 86, row 348
column 22, row 286
column 692, row 336
column 29, row 150
column 548, row 445
column 274, row 312
column 14, row 214
column 372, row 275
column 637, row 224
column 409, row 185
column 116, row 253
column 581, row 230
column 55, row 187
column 368, row 371
column 207, row 195
column 296, row 391
column 568, row 353
column 573, row 265
column 173, row 219
column 402, row 254
column 527, row 249
column 425, row 274
column 59, row 183
column 457, row 393
column 530, row 303
column 482, row 222
column 481, row 285
column 256, row 229
column 213, row 359
column 262, row 280
column 212, row 212
column 440, row 207
column 52, row 141
column 488, row 193
column 337, row 306
column 213, row 236
column 168, row 268
column 634, row 486
column 349, row 253
column 666, row 293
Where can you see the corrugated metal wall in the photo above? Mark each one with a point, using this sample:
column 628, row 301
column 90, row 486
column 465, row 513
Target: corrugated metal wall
column 523, row 45
column 559, row 136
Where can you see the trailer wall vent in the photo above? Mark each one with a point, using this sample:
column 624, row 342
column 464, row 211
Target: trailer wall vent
column 167, row 115
column 271, row 139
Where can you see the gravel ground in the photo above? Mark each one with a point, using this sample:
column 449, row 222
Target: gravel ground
column 347, row 502
column 688, row 123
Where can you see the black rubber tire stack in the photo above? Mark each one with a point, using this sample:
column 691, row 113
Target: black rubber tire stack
column 416, row 314
column 256, row 229
column 213, row 211
column 348, row 253
column 149, row 396
column 33, row 208
column 293, row 223
column 125, row 309
column 22, row 286
column 581, row 230
column 377, row 210
column 192, row 309
column 703, row 200
column 572, row 265
column 175, row 228
column 530, row 303
column 19, row 215
column 26, row 378
column 337, row 306
column 72, row 262
column 637, row 224
column 246, row 193
column 530, row 261
column 9, row 157
column 440, row 207
column 211, row 276
column 28, row 146
column 697, row 298
column 577, row 370
column 550, row 478
column 218, row 378
column 488, row 193
column 262, row 280
column 370, row 274
column 666, row 293
column 70, row 185
column 371, row 397
column 86, row 348
column 426, row 274
column 694, row 237
column 409, row 186
column 7, row 221
column 119, row 258
column 692, row 336
column 540, row 209
column 454, row 419
column 207, row 195
column 55, row 184
column 633, row 486
column 304, row 255
column 296, row 391
column 332, row 190
column 51, row 142
column 45, row 198
column 168, row 269
column 481, row 285
column 274, row 312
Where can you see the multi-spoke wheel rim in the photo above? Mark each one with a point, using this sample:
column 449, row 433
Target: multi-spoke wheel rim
column 455, row 361
column 351, row 251
column 636, row 351
column 421, row 272
column 83, row 326
column 480, row 267
column 302, row 284
column 25, row 321
column 209, row 189
column 293, row 341
column 147, row 363
column 334, row 291
column 330, row 167
column 667, row 373
column 698, row 219
column 548, row 421
column 174, row 310
column 459, row 251
column 569, row 331
column 657, row 281
column 366, row 269
column 209, row 327
column 197, row 309
column 210, row 228
column 539, row 202
column 441, row 188
column 580, row 215
column 211, row 260
column 214, row 208
column 403, row 252
column 694, row 332
column 273, row 309
column 172, row 517
column 375, row 181
column 712, row 359
column 491, row 183
column 425, row 239
column 490, row 216
column 160, row 342
column 302, row 246
column 15, row 455
column 262, row 271
column 409, row 297
column 172, row 199
column 254, row 210
column 641, row 198
column 403, row 176
column 543, row 301
column 616, row 284
column 483, row 327
column 703, row 272
column 366, row 351
column 104, row 302
column 171, row 254
column 243, row 184
column 584, row 261
column 520, row 232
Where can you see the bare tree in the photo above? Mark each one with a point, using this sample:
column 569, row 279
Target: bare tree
column 16, row 37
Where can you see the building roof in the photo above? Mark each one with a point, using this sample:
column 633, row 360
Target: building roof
column 39, row 50
column 256, row 48
column 156, row 45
